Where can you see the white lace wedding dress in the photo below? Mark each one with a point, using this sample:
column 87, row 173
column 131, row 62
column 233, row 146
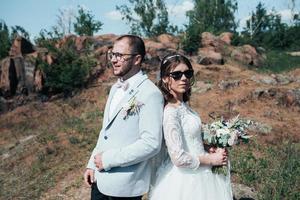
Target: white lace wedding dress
column 182, row 177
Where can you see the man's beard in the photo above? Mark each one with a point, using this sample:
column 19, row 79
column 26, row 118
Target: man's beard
column 125, row 70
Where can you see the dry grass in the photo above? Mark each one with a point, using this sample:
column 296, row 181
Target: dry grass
column 45, row 146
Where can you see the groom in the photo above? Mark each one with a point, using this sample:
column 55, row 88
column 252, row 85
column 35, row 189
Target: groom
column 132, row 128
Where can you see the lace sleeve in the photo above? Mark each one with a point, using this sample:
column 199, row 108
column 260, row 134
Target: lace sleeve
column 173, row 137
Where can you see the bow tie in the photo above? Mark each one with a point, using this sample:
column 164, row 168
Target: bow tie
column 122, row 84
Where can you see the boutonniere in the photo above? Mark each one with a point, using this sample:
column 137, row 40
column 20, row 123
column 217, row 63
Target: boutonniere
column 132, row 108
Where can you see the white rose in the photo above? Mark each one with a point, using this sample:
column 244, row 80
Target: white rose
column 233, row 139
column 223, row 131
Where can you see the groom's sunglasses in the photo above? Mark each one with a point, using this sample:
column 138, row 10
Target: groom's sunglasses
column 178, row 74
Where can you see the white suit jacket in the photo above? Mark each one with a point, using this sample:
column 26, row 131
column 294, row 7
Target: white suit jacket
column 128, row 143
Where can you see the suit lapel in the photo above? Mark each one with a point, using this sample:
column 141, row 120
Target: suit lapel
column 130, row 93
column 107, row 106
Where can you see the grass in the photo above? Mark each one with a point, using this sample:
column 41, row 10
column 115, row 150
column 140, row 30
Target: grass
column 279, row 61
column 67, row 132
column 274, row 173
column 63, row 143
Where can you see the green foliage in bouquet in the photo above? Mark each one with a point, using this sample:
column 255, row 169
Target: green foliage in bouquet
column 224, row 134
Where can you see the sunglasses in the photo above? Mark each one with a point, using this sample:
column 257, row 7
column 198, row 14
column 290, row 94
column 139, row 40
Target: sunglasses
column 119, row 56
column 178, row 74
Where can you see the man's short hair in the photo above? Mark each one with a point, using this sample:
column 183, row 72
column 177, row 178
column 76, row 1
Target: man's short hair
column 137, row 44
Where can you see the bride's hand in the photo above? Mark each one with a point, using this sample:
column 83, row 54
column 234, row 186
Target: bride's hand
column 209, row 148
column 219, row 157
column 212, row 150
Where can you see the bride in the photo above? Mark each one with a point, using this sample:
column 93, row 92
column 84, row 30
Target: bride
column 188, row 175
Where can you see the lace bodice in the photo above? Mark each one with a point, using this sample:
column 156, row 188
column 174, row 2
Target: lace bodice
column 182, row 133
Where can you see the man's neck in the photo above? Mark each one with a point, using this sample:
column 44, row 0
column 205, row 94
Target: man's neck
column 130, row 74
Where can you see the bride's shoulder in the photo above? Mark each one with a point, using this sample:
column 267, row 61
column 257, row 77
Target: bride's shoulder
column 172, row 109
column 171, row 106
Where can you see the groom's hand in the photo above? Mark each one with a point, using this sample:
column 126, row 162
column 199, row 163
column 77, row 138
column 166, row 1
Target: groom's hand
column 89, row 177
column 98, row 161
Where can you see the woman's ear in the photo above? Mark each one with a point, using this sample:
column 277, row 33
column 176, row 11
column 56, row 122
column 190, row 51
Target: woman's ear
column 165, row 79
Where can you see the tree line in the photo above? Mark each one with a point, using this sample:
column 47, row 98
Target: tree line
column 150, row 18
column 84, row 24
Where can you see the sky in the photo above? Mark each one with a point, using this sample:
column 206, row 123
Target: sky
column 35, row 15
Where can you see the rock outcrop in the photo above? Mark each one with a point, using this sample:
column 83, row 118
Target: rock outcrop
column 248, row 55
column 20, row 73
column 21, row 46
column 215, row 50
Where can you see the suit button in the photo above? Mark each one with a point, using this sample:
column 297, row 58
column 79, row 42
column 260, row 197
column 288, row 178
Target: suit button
column 105, row 137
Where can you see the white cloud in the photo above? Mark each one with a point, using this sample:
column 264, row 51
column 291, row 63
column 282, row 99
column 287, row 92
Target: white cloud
column 114, row 15
column 175, row 11
column 243, row 21
column 179, row 10
column 286, row 15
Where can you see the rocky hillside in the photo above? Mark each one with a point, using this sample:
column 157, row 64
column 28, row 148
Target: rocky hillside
column 45, row 144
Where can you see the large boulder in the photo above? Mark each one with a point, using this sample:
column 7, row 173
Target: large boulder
column 104, row 40
column 19, row 64
column 248, row 55
column 18, row 75
column 226, row 37
column 81, row 42
column 38, row 80
column 152, row 47
column 219, row 44
column 207, row 56
column 289, row 98
column 66, row 39
column 168, row 41
column 8, row 80
column 4, row 105
column 282, row 96
column 208, row 39
column 106, row 37
column 21, row 46
column 30, row 71
column 228, row 84
column 241, row 192
column 264, row 79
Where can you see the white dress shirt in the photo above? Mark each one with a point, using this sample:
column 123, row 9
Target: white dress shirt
column 120, row 93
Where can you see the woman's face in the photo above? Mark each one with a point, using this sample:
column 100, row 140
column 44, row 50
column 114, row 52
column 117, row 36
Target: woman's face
column 179, row 79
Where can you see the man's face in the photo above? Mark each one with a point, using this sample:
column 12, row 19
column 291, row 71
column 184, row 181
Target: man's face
column 122, row 61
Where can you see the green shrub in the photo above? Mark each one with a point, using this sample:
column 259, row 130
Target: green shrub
column 215, row 16
column 190, row 41
column 74, row 140
column 76, row 124
column 69, row 69
column 4, row 40
column 279, row 61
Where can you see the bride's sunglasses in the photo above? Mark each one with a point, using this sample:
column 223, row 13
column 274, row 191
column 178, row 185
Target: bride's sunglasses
column 178, row 74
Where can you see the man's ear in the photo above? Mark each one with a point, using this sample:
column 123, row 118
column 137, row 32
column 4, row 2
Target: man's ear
column 138, row 60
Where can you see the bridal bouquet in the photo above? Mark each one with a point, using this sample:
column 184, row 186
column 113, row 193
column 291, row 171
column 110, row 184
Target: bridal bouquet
column 224, row 134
